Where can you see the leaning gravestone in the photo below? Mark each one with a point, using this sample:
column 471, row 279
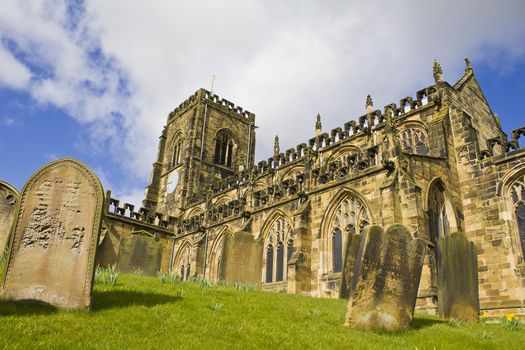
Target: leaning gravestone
column 458, row 296
column 353, row 253
column 8, row 203
column 241, row 259
column 139, row 252
column 54, row 241
column 387, row 280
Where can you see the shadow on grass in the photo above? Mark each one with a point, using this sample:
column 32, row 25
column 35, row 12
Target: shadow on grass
column 25, row 308
column 103, row 300
column 420, row 323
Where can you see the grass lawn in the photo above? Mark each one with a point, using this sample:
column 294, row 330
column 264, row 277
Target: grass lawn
column 143, row 313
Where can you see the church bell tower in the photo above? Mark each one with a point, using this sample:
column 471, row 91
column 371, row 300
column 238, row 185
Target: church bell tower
column 206, row 138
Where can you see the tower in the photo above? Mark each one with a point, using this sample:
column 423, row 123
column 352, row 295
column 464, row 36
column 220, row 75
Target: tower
column 206, row 138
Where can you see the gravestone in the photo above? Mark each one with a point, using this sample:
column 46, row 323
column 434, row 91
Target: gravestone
column 458, row 295
column 388, row 277
column 241, row 259
column 353, row 253
column 140, row 251
column 53, row 246
column 8, row 203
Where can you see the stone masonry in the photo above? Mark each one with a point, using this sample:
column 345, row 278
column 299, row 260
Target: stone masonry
column 436, row 163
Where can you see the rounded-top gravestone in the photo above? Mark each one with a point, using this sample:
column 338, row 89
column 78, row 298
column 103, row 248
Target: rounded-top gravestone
column 8, row 202
column 53, row 245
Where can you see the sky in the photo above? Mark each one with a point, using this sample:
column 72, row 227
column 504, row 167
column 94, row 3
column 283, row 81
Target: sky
column 96, row 80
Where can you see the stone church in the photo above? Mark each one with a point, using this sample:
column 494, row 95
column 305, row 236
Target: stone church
column 437, row 163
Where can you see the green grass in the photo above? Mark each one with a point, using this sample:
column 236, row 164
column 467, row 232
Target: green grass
column 143, row 313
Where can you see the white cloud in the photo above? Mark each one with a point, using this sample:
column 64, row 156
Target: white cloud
column 284, row 61
column 13, row 74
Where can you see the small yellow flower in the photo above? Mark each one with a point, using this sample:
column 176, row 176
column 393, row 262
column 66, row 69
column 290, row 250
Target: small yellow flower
column 485, row 315
column 510, row 316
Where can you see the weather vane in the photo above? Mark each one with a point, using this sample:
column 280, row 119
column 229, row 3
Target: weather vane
column 213, row 77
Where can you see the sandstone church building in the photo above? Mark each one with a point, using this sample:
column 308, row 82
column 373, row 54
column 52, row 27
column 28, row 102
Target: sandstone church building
column 437, row 163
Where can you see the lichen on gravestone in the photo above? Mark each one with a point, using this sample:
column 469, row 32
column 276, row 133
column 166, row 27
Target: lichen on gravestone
column 387, row 280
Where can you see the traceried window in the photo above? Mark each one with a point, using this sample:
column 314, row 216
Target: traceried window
column 177, row 153
column 517, row 194
column 350, row 216
column 175, row 150
column 224, row 147
column 269, row 263
column 438, row 220
column 279, row 249
column 183, row 262
column 413, row 141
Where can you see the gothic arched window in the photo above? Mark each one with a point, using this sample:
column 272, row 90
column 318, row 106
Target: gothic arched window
column 349, row 217
column 337, row 250
column 413, row 141
column 184, row 260
column 517, row 194
column 269, row 263
column 177, row 154
column 175, row 157
column 278, row 253
column 223, row 149
column 438, row 220
column 280, row 262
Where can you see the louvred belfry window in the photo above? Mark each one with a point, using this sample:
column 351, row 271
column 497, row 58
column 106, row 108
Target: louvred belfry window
column 223, row 149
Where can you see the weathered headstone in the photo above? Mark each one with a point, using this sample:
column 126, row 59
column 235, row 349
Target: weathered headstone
column 458, row 295
column 8, row 203
column 387, row 280
column 241, row 259
column 139, row 251
column 53, row 245
column 353, row 253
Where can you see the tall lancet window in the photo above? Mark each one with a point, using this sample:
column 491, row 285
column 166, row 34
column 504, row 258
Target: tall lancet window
column 279, row 249
column 350, row 216
column 517, row 194
column 224, row 148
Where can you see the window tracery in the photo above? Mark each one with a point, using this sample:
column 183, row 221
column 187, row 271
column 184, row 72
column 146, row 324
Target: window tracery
column 279, row 249
column 224, row 147
column 517, row 194
column 184, row 262
column 413, row 141
column 350, row 216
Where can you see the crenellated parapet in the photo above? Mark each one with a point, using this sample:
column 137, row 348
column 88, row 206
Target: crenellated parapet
column 203, row 95
column 367, row 125
column 142, row 215
column 496, row 146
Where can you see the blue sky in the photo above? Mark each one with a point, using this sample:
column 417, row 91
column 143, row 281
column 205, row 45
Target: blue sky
column 96, row 80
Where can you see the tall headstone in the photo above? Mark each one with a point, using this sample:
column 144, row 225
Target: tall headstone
column 353, row 254
column 388, row 277
column 139, row 251
column 8, row 204
column 458, row 295
column 53, row 245
column 241, row 259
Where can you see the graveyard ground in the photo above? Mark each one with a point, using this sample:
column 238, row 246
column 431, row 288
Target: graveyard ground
column 144, row 313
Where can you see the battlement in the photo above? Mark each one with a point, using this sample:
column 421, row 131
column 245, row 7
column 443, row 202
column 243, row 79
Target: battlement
column 495, row 146
column 218, row 102
column 143, row 215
